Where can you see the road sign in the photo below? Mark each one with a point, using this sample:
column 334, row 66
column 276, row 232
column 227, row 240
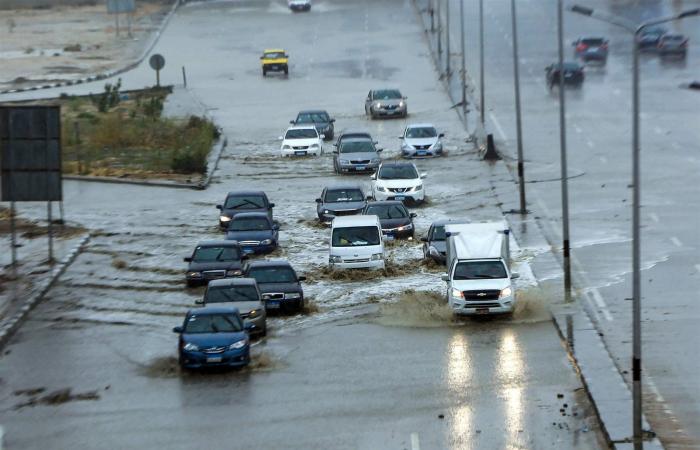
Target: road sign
column 157, row 62
column 121, row 6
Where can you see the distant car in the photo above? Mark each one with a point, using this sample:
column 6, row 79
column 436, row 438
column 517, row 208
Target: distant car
column 302, row 140
column 398, row 180
column 649, row 38
column 573, row 74
column 385, row 102
column 421, row 140
column 255, row 232
column 340, row 200
column 394, row 218
column 213, row 336
column 591, row 49
column 356, row 154
column 673, row 45
column 274, row 60
column 278, row 283
column 212, row 260
column 435, row 241
column 243, row 201
column 243, row 294
column 319, row 119
column 299, row 5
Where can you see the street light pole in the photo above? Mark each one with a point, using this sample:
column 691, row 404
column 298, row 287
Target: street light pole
column 447, row 38
column 562, row 146
column 637, row 406
column 439, row 37
column 518, row 122
column 482, row 99
column 464, row 58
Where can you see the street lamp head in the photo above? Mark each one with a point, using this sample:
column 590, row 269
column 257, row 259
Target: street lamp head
column 689, row 13
column 581, row 10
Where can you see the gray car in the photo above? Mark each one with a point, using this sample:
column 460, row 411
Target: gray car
column 340, row 200
column 241, row 293
column 421, row 140
column 673, row 45
column 385, row 102
column 435, row 241
column 356, row 154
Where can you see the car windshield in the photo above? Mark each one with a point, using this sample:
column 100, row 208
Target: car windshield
column 473, row 270
column 357, row 147
column 387, row 211
column 422, row 132
column 387, row 94
column 249, row 224
column 312, row 118
column 438, row 233
column 343, row 195
column 671, row 38
column 355, row 236
column 215, row 254
column 273, row 275
column 404, row 172
column 213, row 323
column 220, row 294
column 274, row 55
column 245, row 202
column 304, row 133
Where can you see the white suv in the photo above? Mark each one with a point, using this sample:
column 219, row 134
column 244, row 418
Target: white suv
column 302, row 140
column 398, row 180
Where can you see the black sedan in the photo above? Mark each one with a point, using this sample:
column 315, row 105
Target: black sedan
column 573, row 74
column 243, row 202
column 212, row 260
column 340, row 200
column 394, row 218
column 278, row 283
column 319, row 119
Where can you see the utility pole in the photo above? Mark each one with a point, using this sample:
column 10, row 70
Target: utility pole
column 518, row 121
column 439, row 39
column 562, row 145
column 482, row 103
column 464, row 58
column 448, row 69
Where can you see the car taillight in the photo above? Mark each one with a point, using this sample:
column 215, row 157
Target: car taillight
column 581, row 47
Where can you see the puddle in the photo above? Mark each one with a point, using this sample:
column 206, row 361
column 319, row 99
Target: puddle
column 53, row 398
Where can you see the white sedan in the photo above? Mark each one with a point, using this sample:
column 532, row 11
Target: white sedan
column 302, row 140
column 398, row 180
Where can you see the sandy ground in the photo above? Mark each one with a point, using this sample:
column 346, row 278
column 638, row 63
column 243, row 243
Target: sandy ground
column 39, row 46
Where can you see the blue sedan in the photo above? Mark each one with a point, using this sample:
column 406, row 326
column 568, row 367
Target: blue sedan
column 213, row 336
column 255, row 232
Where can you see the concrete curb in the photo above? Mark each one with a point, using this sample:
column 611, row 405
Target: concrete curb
column 9, row 326
column 104, row 75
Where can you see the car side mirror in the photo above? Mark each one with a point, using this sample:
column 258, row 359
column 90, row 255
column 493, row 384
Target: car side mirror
column 187, row 259
column 177, row 330
column 332, row 120
column 262, row 57
column 292, row 122
column 369, row 197
column 322, row 136
column 441, row 135
column 375, row 142
column 423, row 175
column 219, row 207
column 373, row 176
column 405, row 98
column 379, row 150
column 275, row 227
column 301, row 278
column 400, row 137
column 244, row 257
column 272, row 205
column 318, row 200
column 199, row 301
column 280, row 138
column 248, row 326
column 514, row 275
column 445, row 277
column 413, row 215
column 424, row 239
column 336, row 152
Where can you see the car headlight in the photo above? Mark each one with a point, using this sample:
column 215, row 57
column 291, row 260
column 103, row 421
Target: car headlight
column 378, row 105
column 335, row 259
column 417, row 188
column 234, row 273
column 377, row 256
column 344, row 161
column 286, row 147
column 238, row 344
column 381, row 188
column 190, row 347
column 456, row 293
column 405, row 227
column 314, row 145
column 437, row 146
column 401, row 104
column 325, row 211
column 194, row 274
column 406, row 146
column 507, row 292
column 224, row 218
column 253, row 313
column 266, row 242
column 292, row 296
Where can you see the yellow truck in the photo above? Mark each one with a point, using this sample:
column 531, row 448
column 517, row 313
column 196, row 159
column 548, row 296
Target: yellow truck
column 274, row 60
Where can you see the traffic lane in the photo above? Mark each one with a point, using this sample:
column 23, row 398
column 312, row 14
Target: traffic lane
column 388, row 382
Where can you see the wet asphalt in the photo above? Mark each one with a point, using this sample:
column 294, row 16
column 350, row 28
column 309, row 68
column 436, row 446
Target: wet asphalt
column 377, row 363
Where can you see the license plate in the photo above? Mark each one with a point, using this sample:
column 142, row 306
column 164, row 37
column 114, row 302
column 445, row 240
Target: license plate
column 272, row 304
column 248, row 251
column 302, row 153
column 421, row 153
column 360, row 167
column 389, row 237
column 400, row 197
column 482, row 310
column 214, row 359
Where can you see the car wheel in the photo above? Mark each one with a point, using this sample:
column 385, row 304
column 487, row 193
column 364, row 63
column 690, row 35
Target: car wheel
column 286, row 71
column 191, row 284
column 264, row 72
column 301, row 306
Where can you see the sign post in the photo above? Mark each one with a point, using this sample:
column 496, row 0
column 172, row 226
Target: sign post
column 157, row 62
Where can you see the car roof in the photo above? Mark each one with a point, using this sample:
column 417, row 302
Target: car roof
column 269, row 263
column 386, row 89
column 234, row 282
column 397, row 163
column 593, row 38
column 301, row 127
column 218, row 243
column 273, row 50
column 213, row 310
column 421, row 125
column 241, row 193
column 346, row 185
column 250, row 215
column 385, row 203
column 348, row 221
column 357, row 138
column 313, row 111
column 351, row 131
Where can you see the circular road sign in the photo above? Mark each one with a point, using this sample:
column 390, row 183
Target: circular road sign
column 157, row 61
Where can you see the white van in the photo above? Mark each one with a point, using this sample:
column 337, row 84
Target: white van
column 356, row 242
column 479, row 280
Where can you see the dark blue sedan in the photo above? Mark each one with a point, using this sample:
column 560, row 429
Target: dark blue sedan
column 255, row 232
column 213, row 336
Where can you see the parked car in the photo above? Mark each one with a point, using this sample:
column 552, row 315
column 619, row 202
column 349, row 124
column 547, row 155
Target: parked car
column 398, row 180
column 356, row 154
column 254, row 232
column 573, row 74
column 673, row 45
column 385, row 102
column 356, row 243
column 212, row 260
column 340, row 200
column 242, row 293
column 274, row 60
column 213, row 336
column 302, row 140
column 434, row 241
column 299, row 5
column 319, row 119
column 421, row 140
column 648, row 39
column 591, row 49
column 279, row 284
column 394, row 218
column 243, row 201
